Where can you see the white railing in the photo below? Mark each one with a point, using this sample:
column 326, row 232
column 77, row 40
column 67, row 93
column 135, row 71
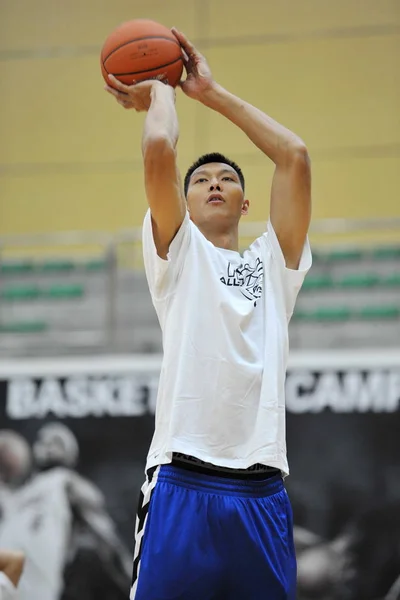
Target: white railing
column 323, row 233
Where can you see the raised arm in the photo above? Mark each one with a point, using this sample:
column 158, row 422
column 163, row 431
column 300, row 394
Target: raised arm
column 290, row 208
column 160, row 136
column 88, row 502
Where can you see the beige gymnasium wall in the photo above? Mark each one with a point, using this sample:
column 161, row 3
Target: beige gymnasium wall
column 70, row 156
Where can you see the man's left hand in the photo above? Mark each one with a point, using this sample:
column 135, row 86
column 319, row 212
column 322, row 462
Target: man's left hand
column 199, row 79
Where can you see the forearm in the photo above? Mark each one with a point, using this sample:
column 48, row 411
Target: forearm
column 277, row 142
column 161, row 120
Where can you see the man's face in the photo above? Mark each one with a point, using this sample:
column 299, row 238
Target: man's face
column 53, row 446
column 215, row 196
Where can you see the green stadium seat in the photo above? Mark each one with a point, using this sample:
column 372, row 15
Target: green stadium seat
column 23, row 327
column 95, row 265
column 326, row 314
column 317, row 256
column 300, row 315
column 16, row 267
column 386, row 252
column 341, row 255
column 57, row 266
column 378, row 312
column 330, row 314
column 318, row 282
column 63, row 292
column 334, row 314
column 392, row 280
column 359, row 281
column 19, row 293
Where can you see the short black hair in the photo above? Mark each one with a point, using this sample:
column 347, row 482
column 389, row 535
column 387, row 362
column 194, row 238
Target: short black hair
column 212, row 157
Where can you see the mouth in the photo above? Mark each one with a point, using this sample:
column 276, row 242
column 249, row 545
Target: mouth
column 215, row 199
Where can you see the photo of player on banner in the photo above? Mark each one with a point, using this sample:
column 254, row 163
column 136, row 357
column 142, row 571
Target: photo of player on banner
column 72, row 451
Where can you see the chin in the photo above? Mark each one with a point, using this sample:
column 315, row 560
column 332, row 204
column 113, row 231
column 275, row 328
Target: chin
column 50, row 464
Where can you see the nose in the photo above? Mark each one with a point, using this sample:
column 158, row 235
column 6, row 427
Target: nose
column 215, row 185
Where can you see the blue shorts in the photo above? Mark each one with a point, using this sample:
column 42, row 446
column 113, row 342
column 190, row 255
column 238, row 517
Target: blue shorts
column 205, row 537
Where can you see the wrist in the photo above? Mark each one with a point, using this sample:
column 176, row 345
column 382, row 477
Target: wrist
column 213, row 96
column 160, row 89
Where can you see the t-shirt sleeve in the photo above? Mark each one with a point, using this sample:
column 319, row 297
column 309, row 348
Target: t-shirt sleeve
column 7, row 589
column 291, row 279
column 163, row 274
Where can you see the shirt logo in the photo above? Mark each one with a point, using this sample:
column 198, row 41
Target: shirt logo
column 246, row 277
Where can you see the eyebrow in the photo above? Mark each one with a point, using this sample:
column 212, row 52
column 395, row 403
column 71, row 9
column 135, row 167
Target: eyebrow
column 206, row 171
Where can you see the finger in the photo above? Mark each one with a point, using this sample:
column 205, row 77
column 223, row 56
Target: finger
column 117, row 84
column 176, row 33
column 185, row 43
column 185, row 58
column 142, row 85
column 116, row 93
column 110, row 90
column 125, row 103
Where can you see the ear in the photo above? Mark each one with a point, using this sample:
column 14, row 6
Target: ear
column 245, row 207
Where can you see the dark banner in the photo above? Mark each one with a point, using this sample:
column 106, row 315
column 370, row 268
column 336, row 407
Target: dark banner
column 79, row 440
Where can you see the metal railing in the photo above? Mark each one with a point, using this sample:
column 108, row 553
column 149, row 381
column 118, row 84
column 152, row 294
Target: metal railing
column 324, row 233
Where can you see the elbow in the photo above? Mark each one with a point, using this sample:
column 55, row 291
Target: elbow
column 298, row 154
column 292, row 153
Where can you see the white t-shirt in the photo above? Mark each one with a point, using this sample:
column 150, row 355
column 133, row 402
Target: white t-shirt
column 7, row 589
column 38, row 522
column 224, row 319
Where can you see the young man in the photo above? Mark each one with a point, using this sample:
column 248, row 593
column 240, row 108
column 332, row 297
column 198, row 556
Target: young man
column 219, row 523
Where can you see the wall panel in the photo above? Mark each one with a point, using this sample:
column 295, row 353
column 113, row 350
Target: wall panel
column 334, row 93
column 70, row 157
column 79, row 201
column 55, row 23
column 60, row 113
column 289, row 17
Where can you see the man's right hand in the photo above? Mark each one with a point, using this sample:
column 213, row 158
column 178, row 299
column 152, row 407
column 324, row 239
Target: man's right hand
column 137, row 95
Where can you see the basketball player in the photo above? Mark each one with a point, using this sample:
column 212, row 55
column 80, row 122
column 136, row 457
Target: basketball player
column 11, row 566
column 219, row 523
column 39, row 518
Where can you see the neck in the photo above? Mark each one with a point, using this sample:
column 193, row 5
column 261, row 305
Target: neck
column 229, row 240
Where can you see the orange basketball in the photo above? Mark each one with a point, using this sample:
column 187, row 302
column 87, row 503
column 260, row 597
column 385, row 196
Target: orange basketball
column 139, row 50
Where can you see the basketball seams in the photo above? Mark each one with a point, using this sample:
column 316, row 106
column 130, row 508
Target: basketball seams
column 146, row 70
column 140, row 39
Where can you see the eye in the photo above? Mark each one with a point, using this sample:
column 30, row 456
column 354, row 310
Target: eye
column 227, row 178
column 200, row 180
